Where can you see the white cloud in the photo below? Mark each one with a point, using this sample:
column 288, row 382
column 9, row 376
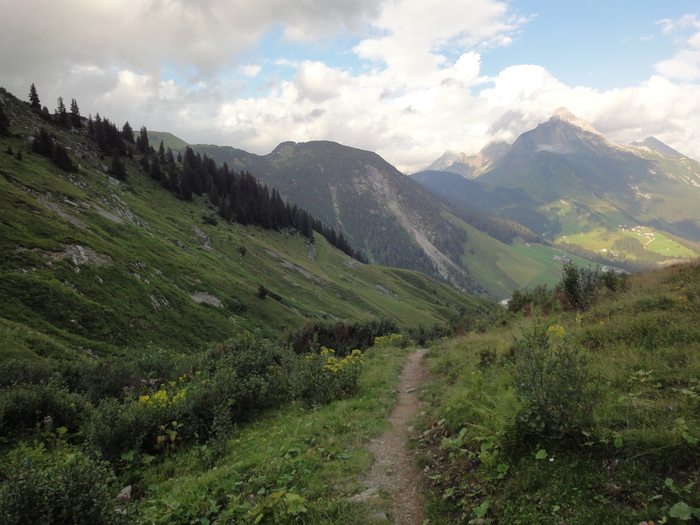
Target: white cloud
column 685, row 63
column 415, row 90
column 250, row 70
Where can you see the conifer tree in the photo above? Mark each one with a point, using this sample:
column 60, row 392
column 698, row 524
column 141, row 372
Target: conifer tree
column 128, row 132
column 161, row 153
column 61, row 158
column 117, row 169
column 155, row 171
column 62, row 114
column 142, row 142
column 75, row 119
column 34, row 102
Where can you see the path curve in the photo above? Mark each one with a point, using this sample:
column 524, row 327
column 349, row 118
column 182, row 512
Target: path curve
column 394, row 469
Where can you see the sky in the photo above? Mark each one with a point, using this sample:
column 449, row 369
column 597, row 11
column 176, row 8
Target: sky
column 408, row 79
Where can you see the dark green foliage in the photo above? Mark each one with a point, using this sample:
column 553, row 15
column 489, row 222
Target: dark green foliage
column 127, row 132
column 341, row 336
column 540, row 300
column 64, row 486
column 61, row 158
column 46, row 144
column 117, row 168
column 75, row 119
column 107, row 136
column 579, row 287
column 4, row 122
column 553, row 384
column 26, row 407
column 62, row 114
column 142, row 141
column 34, row 101
column 577, row 290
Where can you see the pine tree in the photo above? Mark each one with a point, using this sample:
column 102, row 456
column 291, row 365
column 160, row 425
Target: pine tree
column 161, row 153
column 75, row 119
column 117, row 169
column 155, row 171
column 43, row 143
column 62, row 114
column 61, row 158
column 34, row 102
column 128, row 132
column 142, row 142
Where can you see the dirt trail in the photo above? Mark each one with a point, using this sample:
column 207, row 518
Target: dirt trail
column 393, row 469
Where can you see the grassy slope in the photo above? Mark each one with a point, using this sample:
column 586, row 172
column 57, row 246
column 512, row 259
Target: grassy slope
column 156, row 253
column 503, row 268
column 636, row 460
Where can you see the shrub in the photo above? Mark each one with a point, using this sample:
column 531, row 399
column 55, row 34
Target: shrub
column 65, row 486
column 24, row 408
column 114, row 429
column 390, row 341
column 553, row 384
column 579, row 287
column 323, row 377
column 343, row 337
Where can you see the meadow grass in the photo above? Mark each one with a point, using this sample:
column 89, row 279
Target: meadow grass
column 634, row 459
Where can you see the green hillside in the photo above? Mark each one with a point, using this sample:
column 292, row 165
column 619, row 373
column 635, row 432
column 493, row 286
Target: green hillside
column 572, row 415
column 101, row 264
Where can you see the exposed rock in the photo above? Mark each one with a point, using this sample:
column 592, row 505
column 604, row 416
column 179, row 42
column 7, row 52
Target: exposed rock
column 80, row 255
column 46, row 203
column 203, row 297
column 124, row 495
column 370, row 494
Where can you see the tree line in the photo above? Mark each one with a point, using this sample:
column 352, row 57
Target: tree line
column 236, row 196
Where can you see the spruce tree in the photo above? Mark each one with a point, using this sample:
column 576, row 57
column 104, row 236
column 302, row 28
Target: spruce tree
column 75, row 119
column 142, row 143
column 128, row 132
column 62, row 114
column 117, row 168
column 34, row 102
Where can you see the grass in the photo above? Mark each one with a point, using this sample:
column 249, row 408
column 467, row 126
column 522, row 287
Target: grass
column 636, row 460
column 289, row 459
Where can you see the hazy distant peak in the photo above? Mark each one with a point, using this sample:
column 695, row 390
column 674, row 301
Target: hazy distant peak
column 567, row 116
column 656, row 145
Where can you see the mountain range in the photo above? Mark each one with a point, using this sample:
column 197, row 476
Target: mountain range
column 562, row 188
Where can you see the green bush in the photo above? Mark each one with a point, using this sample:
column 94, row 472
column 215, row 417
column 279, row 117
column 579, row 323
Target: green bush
column 115, row 429
column 341, row 336
column 553, row 385
column 24, row 408
column 579, row 287
column 64, row 486
column 321, row 378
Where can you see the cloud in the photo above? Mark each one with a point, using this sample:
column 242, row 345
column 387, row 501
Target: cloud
column 685, row 63
column 414, row 87
column 318, row 83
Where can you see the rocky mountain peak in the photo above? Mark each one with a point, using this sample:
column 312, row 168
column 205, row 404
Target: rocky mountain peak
column 655, row 144
column 564, row 115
